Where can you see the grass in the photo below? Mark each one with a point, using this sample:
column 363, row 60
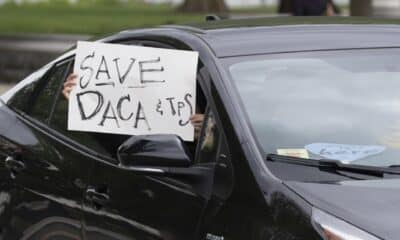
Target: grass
column 86, row 18
column 104, row 16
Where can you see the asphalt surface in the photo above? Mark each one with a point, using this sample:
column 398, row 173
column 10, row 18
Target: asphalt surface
column 40, row 43
column 20, row 55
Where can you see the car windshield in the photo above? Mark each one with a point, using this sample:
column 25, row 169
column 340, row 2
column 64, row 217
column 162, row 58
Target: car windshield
column 340, row 105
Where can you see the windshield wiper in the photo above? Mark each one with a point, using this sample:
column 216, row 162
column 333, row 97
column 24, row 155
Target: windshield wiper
column 334, row 165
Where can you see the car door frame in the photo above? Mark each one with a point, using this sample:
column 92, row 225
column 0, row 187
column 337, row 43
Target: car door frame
column 38, row 127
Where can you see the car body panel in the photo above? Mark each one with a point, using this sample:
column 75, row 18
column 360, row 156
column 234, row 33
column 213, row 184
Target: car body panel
column 266, row 40
column 48, row 202
column 243, row 23
column 142, row 205
column 371, row 205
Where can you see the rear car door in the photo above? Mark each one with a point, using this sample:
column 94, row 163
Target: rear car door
column 48, row 174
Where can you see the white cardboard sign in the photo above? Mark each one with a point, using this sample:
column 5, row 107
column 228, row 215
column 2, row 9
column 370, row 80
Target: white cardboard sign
column 133, row 90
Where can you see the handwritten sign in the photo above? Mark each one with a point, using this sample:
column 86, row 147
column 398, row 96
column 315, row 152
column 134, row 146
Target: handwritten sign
column 133, row 90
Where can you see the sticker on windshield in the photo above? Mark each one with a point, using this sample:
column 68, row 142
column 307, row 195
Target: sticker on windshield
column 293, row 152
column 344, row 152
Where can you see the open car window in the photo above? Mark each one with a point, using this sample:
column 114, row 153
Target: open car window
column 42, row 99
column 18, row 97
column 102, row 143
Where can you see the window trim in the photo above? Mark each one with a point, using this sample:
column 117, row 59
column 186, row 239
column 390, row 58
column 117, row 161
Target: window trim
column 45, row 127
column 211, row 109
column 41, row 85
column 69, row 61
column 57, row 134
column 35, row 76
column 65, row 140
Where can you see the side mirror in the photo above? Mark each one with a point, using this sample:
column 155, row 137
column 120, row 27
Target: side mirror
column 154, row 151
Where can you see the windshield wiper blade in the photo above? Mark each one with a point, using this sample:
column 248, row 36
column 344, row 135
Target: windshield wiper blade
column 334, row 165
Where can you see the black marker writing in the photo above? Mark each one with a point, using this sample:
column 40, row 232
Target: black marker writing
column 123, row 77
column 103, row 70
column 187, row 98
column 171, row 102
column 106, row 116
column 178, row 108
column 84, row 68
column 105, row 84
column 141, row 116
column 158, row 109
column 181, row 105
column 100, row 101
column 144, row 70
column 119, row 107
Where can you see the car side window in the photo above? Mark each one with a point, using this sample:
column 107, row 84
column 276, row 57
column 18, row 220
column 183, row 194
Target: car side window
column 43, row 97
column 18, row 98
column 211, row 140
column 102, row 143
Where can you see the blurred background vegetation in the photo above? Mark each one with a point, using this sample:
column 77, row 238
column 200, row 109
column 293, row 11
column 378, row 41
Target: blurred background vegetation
column 88, row 17
column 96, row 16
column 32, row 32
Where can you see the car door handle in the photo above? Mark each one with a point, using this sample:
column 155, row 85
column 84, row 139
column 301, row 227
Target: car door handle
column 15, row 166
column 99, row 199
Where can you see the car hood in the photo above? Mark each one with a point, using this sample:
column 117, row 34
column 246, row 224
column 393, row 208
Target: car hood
column 371, row 205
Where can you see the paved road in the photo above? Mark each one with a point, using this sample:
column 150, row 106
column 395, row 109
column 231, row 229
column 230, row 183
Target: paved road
column 20, row 55
column 56, row 43
column 4, row 87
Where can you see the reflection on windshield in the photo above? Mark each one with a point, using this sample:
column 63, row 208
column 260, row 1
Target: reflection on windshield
column 342, row 105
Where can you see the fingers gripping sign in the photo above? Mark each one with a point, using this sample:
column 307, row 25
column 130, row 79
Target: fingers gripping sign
column 69, row 85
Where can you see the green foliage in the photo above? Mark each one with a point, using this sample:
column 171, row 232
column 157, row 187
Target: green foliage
column 86, row 16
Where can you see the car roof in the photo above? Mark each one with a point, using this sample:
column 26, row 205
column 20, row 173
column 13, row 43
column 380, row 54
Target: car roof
column 241, row 37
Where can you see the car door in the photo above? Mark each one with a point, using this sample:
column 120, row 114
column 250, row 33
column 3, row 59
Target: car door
column 48, row 174
column 9, row 192
column 141, row 203
column 126, row 203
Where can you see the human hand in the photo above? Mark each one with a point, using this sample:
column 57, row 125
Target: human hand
column 69, row 85
column 197, row 121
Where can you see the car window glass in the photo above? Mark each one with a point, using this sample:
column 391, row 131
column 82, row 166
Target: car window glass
column 44, row 99
column 333, row 105
column 19, row 96
column 209, row 140
column 102, row 143
column 20, row 99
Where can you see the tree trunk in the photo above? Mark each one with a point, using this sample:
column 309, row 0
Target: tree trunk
column 204, row 6
column 361, row 8
column 285, row 7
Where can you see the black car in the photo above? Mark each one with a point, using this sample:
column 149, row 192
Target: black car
column 301, row 141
